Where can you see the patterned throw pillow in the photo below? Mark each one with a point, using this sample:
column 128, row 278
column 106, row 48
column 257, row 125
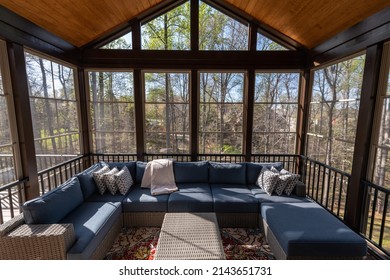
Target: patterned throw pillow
column 123, row 180
column 267, row 180
column 99, row 179
column 282, row 180
column 109, row 180
column 293, row 180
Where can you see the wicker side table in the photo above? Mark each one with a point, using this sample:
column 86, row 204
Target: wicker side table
column 37, row 241
column 190, row 236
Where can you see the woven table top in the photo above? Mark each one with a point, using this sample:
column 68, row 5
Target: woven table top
column 190, row 236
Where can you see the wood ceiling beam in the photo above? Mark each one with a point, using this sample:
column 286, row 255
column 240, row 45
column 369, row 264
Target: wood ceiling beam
column 371, row 31
column 147, row 59
column 19, row 30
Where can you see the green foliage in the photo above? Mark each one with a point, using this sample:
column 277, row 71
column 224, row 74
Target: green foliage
column 170, row 31
column 266, row 44
column 124, row 42
column 218, row 31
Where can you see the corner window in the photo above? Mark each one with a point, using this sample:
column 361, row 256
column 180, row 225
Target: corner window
column 334, row 112
column 7, row 157
column 54, row 110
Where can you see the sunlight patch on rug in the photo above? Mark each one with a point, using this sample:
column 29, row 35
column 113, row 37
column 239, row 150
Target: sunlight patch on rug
column 238, row 243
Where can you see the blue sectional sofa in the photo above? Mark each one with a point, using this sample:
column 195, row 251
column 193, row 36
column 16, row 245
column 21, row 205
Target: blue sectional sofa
column 228, row 189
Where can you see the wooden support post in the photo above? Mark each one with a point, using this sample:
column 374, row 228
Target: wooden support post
column 355, row 195
column 194, row 115
column 136, row 35
column 83, row 113
column 248, row 114
column 24, row 123
column 139, row 114
column 303, row 117
column 194, row 25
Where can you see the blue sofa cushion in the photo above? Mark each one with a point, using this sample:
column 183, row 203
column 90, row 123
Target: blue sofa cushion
column 140, row 170
column 194, row 187
column 233, row 199
column 87, row 183
column 191, row 172
column 140, row 200
column 106, row 197
column 54, row 205
column 307, row 229
column 190, row 202
column 263, row 197
column 91, row 222
column 253, row 170
column 227, row 173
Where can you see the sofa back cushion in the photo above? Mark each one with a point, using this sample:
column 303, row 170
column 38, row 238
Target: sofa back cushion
column 53, row 206
column 253, row 169
column 191, row 172
column 131, row 166
column 227, row 173
column 139, row 172
column 87, row 183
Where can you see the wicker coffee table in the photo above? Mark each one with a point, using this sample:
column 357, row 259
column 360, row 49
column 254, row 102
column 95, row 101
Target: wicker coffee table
column 190, row 236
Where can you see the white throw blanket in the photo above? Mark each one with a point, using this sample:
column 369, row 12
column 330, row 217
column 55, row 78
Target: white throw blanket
column 159, row 177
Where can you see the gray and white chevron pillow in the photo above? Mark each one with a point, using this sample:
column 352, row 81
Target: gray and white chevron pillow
column 282, row 180
column 123, row 180
column 109, row 180
column 267, row 180
column 292, row 181
column 99, row 179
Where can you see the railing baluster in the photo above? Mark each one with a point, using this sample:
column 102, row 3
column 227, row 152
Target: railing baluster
column 309, row 179
column 1, row 212
column 334, row 190
column 373, row 213
column 383, row 223
column 11, row 206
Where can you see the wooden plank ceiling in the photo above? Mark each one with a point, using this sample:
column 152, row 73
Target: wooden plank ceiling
column 308, row 22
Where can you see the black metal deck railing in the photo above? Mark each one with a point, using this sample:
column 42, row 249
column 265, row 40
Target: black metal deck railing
column 52, row 177
column 326, row 185
column 11, row 197
column 376, row 215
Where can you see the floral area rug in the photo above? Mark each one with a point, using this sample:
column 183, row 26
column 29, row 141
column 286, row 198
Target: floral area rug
column 238, row 243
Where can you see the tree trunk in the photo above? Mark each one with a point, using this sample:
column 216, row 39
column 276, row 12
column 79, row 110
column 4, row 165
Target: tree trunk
column 167, row 113
column 67, row 125
column 49, row 113
column 331, row 79
column 102, row 123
